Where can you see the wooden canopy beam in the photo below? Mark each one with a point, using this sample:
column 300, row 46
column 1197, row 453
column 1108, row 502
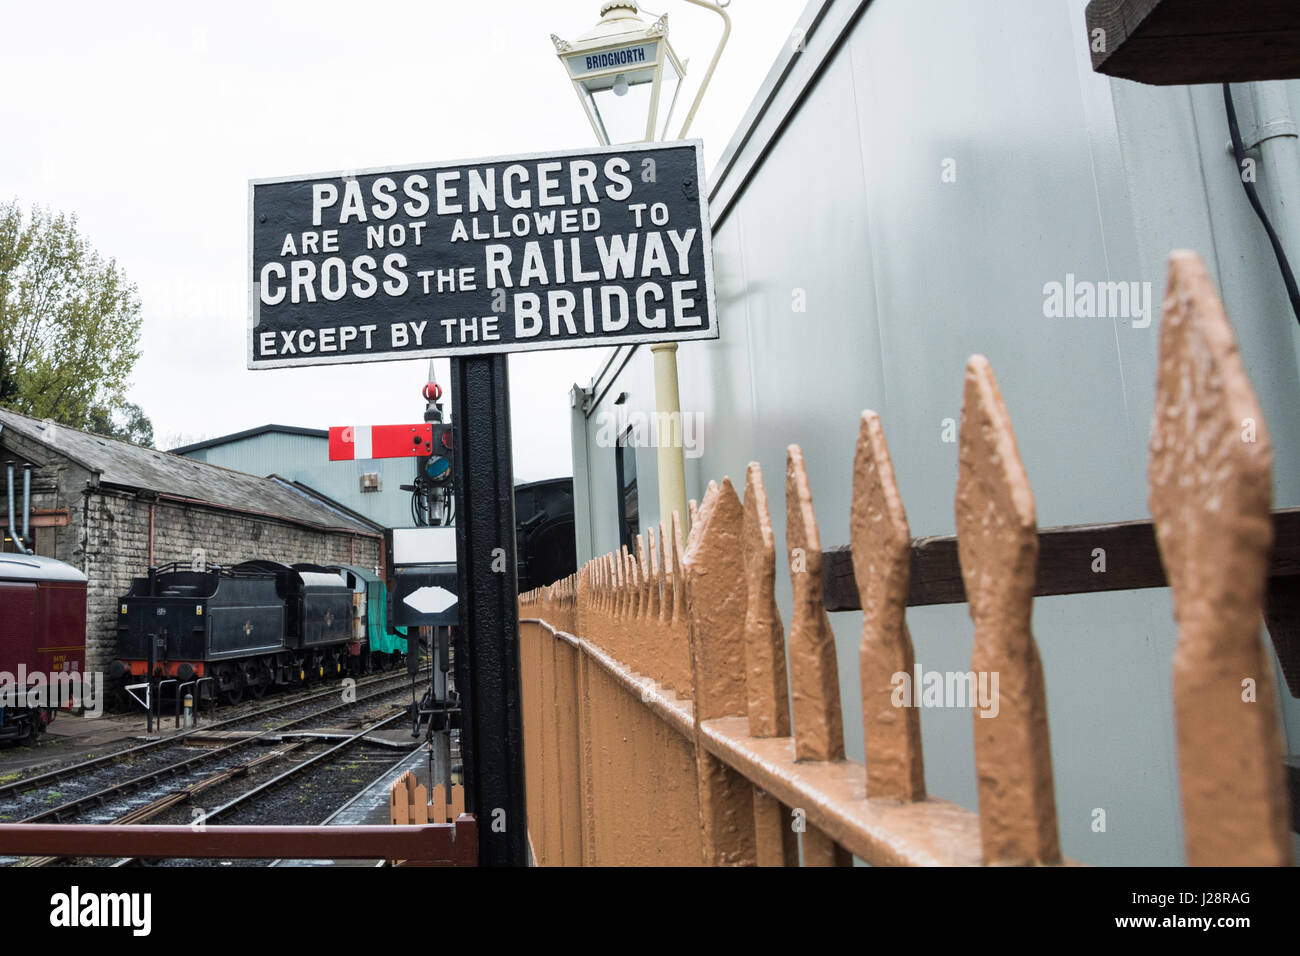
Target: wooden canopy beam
column 1174, row 42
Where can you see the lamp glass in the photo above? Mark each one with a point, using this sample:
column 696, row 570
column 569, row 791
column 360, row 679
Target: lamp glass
column 623, row 118
column 617, row 86
column 669, row 86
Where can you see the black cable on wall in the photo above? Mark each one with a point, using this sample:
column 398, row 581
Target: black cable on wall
column 1252, row 194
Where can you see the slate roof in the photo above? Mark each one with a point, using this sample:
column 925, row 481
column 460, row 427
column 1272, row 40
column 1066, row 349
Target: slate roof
column 131, row 466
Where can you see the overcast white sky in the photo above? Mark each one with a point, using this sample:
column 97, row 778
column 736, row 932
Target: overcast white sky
column 148, row 119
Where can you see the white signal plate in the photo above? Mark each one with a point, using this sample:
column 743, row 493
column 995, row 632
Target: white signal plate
column 430, row 599
column 424, row 545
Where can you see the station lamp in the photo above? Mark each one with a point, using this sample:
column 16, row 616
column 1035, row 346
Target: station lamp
column 628, row 76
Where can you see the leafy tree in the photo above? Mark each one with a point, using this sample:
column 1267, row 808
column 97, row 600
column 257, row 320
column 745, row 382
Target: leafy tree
column 128, row 423
column 8, row 387
column 69, row 324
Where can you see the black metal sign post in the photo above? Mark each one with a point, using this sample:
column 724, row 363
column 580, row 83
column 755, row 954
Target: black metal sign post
column 487, row 641
column 471, row 261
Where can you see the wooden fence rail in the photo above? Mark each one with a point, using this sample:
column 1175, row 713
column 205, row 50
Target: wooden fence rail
column 659, row 729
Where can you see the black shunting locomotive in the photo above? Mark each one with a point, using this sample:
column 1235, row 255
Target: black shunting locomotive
column 249, row 628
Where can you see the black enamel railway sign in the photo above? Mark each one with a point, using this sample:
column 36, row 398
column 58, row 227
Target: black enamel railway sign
column 546, row 251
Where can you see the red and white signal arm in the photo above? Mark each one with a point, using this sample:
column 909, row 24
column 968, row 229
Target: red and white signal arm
column 356, row 442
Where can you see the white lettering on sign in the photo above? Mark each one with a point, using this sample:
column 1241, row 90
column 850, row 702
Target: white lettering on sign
column 566, row 249
column 354, row 205
column 608, row 59
column 297, row 341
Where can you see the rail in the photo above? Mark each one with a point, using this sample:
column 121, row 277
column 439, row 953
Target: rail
column 434, row 844
column 98, row 798
column 76, row 769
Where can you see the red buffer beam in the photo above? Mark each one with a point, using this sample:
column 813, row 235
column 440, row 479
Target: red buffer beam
column 355, row 442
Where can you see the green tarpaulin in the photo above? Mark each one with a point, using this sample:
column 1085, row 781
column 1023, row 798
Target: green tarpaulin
column 377, row 630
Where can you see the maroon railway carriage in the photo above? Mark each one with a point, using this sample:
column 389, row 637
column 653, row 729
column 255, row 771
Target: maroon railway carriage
column 42, row 632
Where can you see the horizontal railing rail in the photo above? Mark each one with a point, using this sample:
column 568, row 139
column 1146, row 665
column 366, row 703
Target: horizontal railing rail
column 1065, row 562
column 445, row 844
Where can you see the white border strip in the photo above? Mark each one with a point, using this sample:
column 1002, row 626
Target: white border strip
column 362, row 443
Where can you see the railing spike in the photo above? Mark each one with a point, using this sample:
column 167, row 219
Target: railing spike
column 653, row 575
column 679, row 576
column 997, row 544
column 634, row 635
column 714, row 570
column 814, row 683
column 615, row 637
column 679, row 623
column 881, row 545
column 666, row 576
column 1211, row 493
column 765, row 681
column 643, row 573
column 654, row 640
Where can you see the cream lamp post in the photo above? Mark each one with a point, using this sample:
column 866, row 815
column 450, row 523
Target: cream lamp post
column 628, row 77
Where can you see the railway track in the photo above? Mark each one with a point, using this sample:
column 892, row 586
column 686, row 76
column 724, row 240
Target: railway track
column 189, row 764
column 60, row 774
column 169, row 801
column 347, row 805
column 177, row 797
column 265, row 788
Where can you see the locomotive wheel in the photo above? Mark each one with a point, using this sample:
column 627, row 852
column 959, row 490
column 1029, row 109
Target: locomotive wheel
column 235, row 693
column 258, row 679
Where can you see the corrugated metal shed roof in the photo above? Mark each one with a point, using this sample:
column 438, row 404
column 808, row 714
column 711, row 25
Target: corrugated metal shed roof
column 131, row 466
column 251, row 433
